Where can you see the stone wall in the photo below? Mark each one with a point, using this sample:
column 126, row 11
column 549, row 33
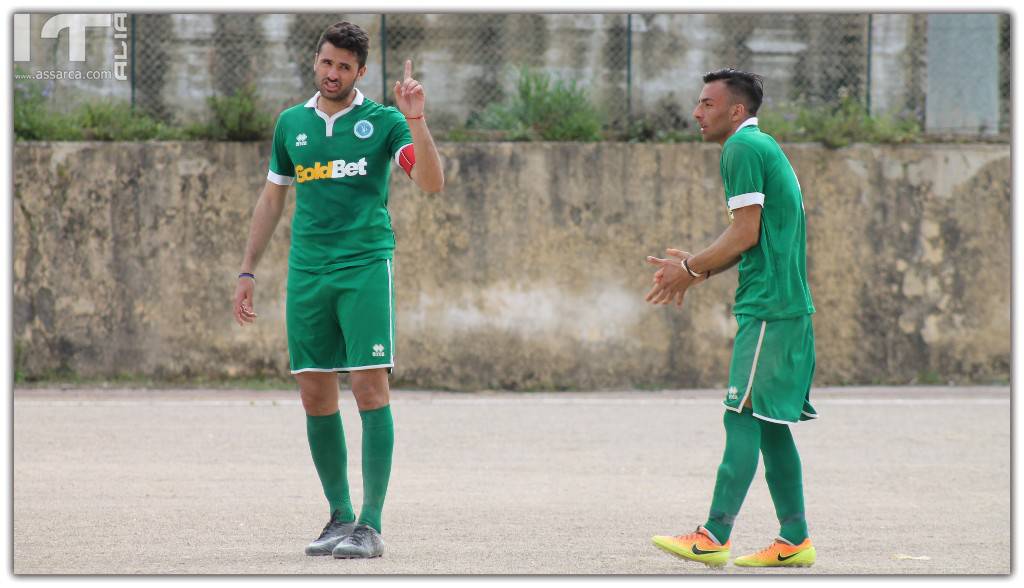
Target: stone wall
column 527, row 272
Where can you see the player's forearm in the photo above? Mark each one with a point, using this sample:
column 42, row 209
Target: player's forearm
column 265, row 217
column 724, row 253
column 427, row 173
column 728, row 265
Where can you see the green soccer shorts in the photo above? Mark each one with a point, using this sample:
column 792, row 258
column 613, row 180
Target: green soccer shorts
column 773, row 363
column 341, row 321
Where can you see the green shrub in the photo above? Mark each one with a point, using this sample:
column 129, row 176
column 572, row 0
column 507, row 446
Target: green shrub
column 237, row 117
column 32, row 120
column 543, row 110
column 98, row 121
column 117, row 122
column 651, row 130
column 233, row 118
column 837, row 126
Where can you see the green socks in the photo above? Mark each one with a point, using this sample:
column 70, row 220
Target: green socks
column 745, row 437
column 378, row 442
column 327, row 444
column 783, row 474
column 739, row 464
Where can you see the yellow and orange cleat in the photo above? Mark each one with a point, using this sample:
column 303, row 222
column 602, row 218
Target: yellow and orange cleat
column 781, row 553
column 697, row 546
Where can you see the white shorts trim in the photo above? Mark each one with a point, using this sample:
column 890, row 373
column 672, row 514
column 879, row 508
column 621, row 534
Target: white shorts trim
column 808, row 415
column 747, row 199
column 279, row 179
column 365, row 367
column 299, row 371
column 391, row 313
column 764, row 418
column 753, row 370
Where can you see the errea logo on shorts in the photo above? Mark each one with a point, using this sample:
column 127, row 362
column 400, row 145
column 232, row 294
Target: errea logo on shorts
column 734, row 394
column 378, row 350
column 338, row 168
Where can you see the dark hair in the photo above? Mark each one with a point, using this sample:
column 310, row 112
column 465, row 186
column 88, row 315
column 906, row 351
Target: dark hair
column 345, row 35
column 745, row 87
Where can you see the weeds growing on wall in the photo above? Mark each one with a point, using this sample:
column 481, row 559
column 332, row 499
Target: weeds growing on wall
column 837, row 126
column 237, row 117
column 233, row 118
column 100, row 121
column 541, row 109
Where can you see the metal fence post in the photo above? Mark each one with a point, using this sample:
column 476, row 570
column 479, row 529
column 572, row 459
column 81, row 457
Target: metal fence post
column 867, row 78
column 384, row 58
column 132, row 67
column 629, row 72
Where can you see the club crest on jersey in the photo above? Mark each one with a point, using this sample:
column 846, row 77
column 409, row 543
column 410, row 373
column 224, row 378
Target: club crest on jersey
column 300, row 140
column 363, row 129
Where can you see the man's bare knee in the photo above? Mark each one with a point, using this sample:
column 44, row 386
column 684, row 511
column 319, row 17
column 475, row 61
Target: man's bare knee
column 319, row 392
column 371, row 389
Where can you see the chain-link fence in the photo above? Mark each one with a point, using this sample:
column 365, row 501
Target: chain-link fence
column 633, row 67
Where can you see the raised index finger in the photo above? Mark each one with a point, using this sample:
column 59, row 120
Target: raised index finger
column 408, row 69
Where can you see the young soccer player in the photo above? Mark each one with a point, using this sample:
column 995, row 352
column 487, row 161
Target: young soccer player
column 338, row 148
column 773, row 354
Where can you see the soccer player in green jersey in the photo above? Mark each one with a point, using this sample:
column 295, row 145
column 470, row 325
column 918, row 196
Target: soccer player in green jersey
column 773, row 354
column 338, row 148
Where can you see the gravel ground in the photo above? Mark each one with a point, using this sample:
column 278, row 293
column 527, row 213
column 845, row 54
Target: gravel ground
column 897, row 481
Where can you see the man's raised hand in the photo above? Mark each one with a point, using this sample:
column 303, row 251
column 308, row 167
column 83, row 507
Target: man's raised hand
column 409, row 95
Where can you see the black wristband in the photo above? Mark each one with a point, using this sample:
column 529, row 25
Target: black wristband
column 692, row 273
column 247, row 275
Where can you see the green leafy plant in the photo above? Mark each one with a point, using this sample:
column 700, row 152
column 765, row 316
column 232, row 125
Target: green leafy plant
column 117, row 122
column 97, row 121
column 542, row 109
column 237, row 117
column 837, row 126
column 33, row 121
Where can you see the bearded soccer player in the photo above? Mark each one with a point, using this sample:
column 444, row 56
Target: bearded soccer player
column 338, row 148
column 773, row 355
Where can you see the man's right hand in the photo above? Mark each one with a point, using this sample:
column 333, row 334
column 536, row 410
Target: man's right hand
column 244, row 312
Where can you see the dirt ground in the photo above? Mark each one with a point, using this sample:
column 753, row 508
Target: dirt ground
column 897, row 481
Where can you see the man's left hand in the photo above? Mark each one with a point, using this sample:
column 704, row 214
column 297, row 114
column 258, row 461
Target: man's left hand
column 409, row 95
column 671, row 280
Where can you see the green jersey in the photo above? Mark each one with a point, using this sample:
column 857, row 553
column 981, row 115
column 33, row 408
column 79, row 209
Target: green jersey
column 341, row 167
column 773, row 273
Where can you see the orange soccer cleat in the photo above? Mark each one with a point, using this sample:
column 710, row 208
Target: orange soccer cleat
column 781, row 553
column 697, row 546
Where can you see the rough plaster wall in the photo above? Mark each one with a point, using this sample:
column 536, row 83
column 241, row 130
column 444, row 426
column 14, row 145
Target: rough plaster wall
column 528, row 272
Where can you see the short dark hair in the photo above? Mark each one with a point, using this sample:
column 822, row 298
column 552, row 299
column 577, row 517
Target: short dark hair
column 345, row 35
column 745, row 87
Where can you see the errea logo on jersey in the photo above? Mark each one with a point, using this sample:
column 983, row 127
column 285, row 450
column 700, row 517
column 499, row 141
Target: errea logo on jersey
column 300, row 141
column 338, row 168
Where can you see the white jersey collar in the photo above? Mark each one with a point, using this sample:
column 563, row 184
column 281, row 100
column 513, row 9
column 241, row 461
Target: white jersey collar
column 750, row 122
column 329, row 120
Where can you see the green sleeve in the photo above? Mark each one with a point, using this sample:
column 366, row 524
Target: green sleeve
column 280, row 162
column 399, row 135
column 743, row 175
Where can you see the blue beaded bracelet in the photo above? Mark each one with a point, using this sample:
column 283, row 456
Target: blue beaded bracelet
column 247, row 275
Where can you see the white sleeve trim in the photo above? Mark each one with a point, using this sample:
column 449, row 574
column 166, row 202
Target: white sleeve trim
column 746, row 200
column 399, row 152
column 279, row 179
